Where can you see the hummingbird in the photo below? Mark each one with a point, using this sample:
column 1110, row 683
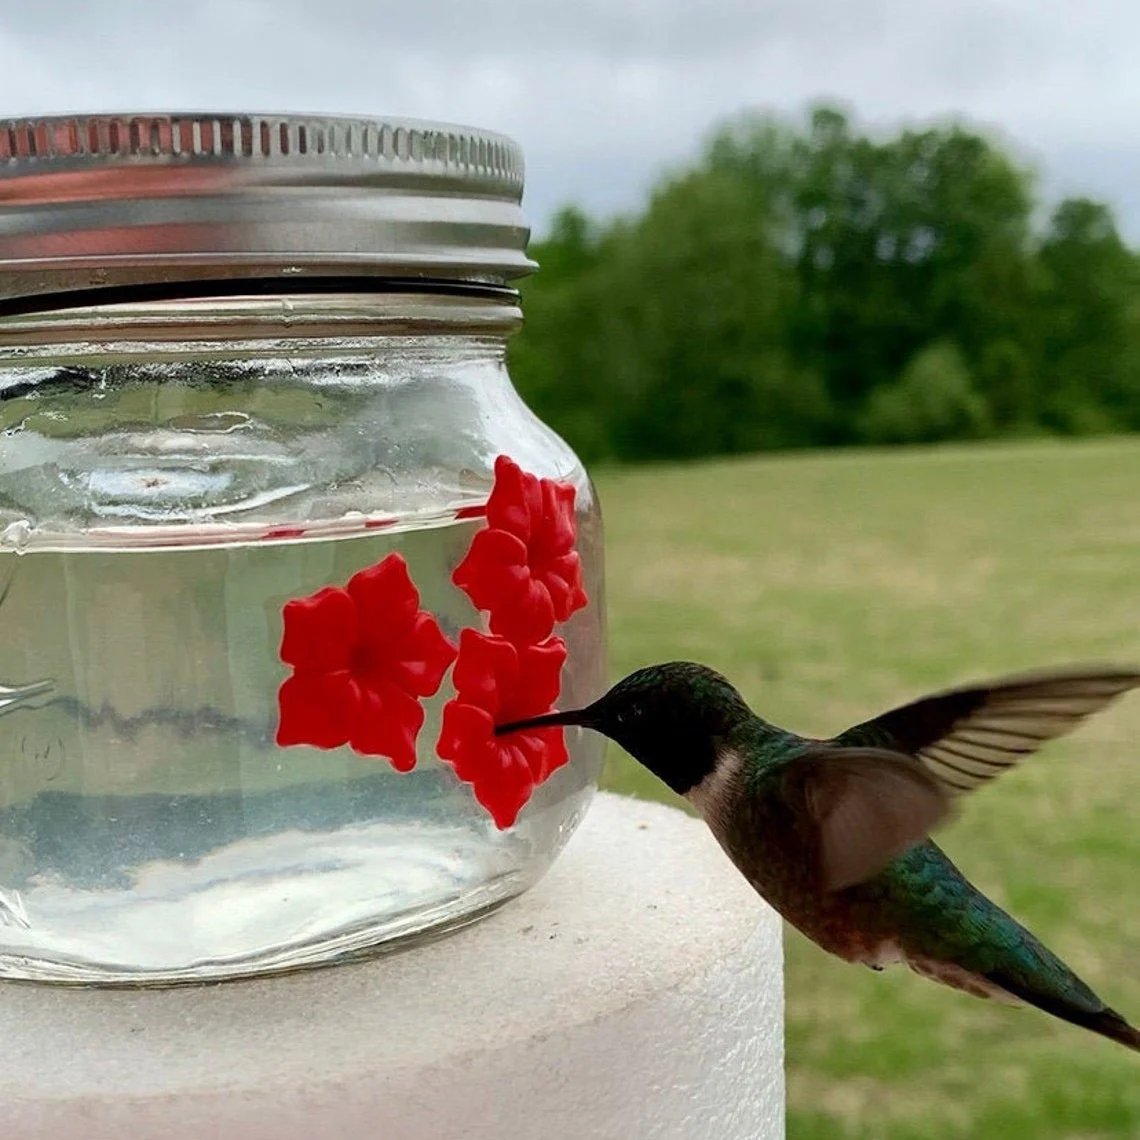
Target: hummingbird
column 834, row 833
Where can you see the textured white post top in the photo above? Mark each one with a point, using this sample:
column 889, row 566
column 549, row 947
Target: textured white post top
column 636, row 992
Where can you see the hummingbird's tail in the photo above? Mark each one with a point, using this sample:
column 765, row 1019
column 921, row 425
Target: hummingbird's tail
column 1113, row 1026
column 970, row 943
column 1107, row 1022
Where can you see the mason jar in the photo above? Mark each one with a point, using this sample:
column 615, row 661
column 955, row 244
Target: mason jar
column 279, row 543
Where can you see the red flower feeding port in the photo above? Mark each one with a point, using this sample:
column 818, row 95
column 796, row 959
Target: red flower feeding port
column 362, row 659
column 523, row 567
column 496, row 682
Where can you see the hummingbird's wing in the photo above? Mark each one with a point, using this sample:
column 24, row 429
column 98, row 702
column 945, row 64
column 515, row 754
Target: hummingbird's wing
column 868, row 806
column 967, row 737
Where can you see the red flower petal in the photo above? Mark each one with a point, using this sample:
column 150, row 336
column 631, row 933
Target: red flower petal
column 424, row 659
column 561, row 594
column 386, row 600
column 541, row 667
column 319, row 631
column 485, row 667
column 563, row 578
column 545, row 751
column 528, row 618
column 515, row 499
column 559, row 529
column 506, row 792
column 316, row 709
column 386, row 722
column 492, row 569
column 464, row 730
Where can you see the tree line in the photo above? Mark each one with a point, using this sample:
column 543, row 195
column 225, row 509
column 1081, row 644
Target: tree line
column 807, row 284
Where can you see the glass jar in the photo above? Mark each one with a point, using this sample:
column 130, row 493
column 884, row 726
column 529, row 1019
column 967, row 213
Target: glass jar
column 252, row 380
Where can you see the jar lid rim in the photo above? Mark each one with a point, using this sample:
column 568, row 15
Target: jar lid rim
column 92, row 198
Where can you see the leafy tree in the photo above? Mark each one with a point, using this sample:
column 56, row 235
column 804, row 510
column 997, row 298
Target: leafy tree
column 811, row 283
column 1090, row 348
column 562, row 361
column 934, row 399
column 701, row 301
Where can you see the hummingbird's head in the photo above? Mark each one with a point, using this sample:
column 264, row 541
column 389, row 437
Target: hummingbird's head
column 673, row 718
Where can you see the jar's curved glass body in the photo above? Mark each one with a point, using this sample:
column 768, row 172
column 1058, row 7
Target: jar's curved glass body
column 170, row 476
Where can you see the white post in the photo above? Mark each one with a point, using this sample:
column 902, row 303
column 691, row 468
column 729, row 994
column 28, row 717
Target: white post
column 636, row 992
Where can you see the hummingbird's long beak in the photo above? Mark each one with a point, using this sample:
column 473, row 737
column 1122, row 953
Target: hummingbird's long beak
column 548, row 720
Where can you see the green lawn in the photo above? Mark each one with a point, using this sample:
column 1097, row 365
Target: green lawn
column 830, row 587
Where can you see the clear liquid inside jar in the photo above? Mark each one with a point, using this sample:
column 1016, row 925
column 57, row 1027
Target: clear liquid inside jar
column 170, row 476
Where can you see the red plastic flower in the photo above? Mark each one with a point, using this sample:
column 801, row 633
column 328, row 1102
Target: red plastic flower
column 523, row 567
column 362, row 658
column 496, row 682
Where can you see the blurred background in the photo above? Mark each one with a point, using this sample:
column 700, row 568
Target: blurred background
column 841, row 302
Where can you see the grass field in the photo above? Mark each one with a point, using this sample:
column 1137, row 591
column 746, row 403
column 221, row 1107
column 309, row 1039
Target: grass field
column 831, row 587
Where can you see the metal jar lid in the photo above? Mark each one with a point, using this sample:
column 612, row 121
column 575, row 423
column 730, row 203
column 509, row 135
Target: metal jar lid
column 91, row 201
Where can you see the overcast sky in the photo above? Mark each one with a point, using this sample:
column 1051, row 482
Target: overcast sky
column 606, row 94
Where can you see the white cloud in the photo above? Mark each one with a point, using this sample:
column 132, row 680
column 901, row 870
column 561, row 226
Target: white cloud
column 604, row 94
